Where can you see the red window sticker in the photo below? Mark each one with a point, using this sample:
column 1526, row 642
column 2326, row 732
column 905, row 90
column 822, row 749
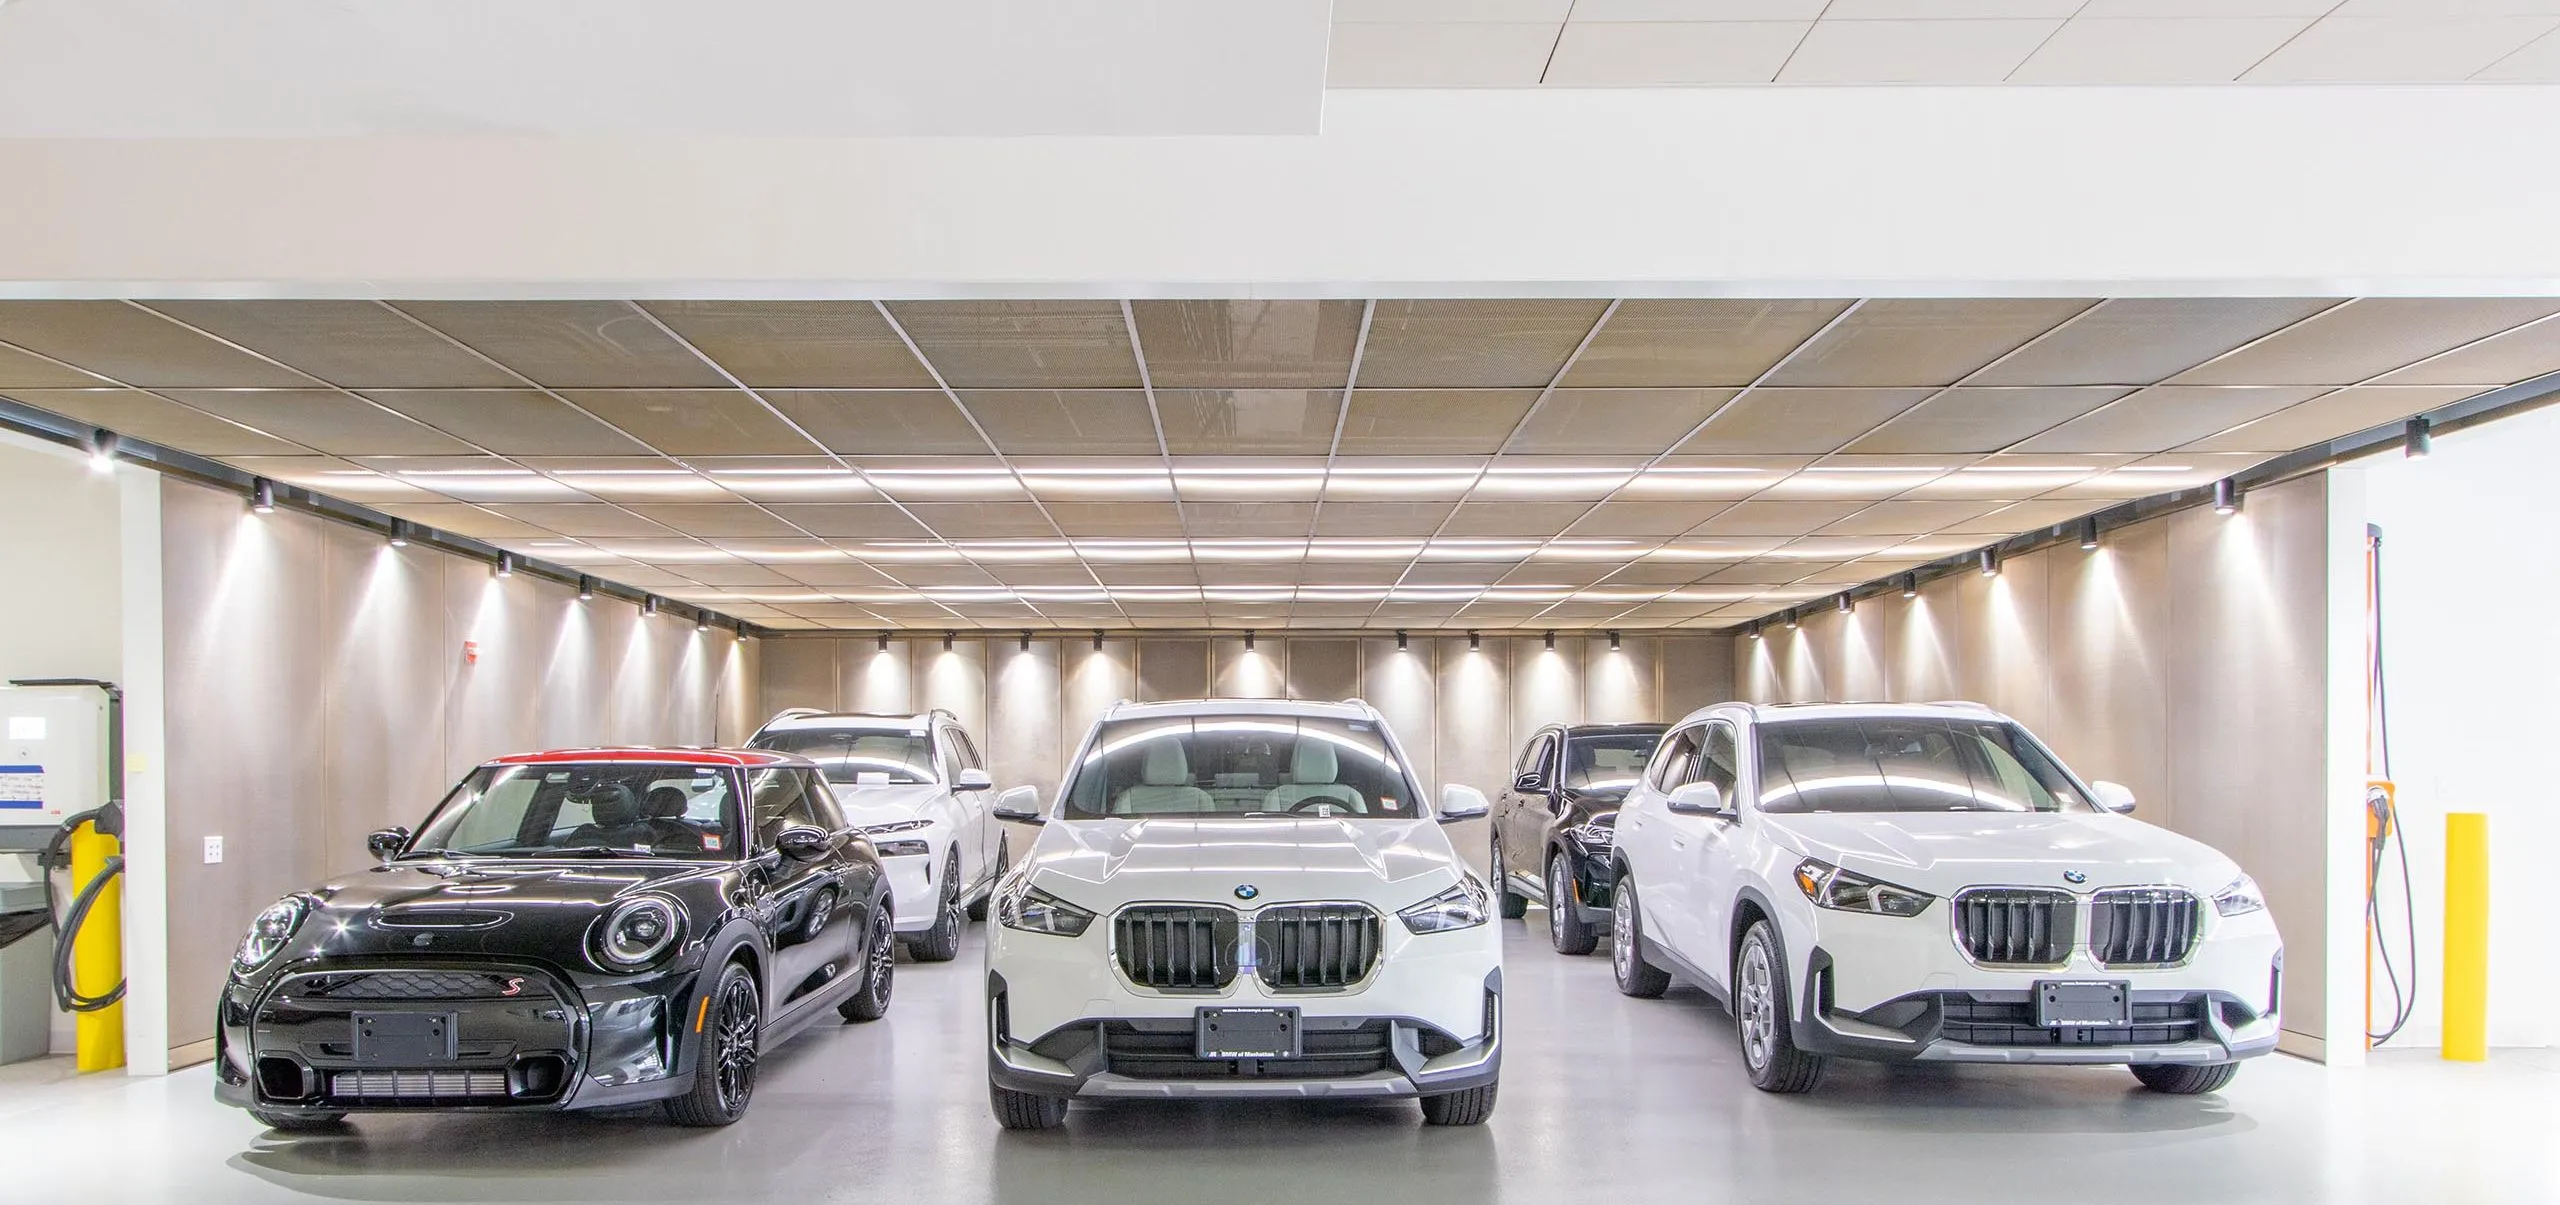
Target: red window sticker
column 711, row 842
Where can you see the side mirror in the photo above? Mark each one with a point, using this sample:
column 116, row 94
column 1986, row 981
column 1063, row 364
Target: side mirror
column 1461, row 802
column 1021, row 805
column 802, row 843
column 1531, row 783
column 2112, row 796
column 974, row 780
column 386, row 844
column 1701, row 799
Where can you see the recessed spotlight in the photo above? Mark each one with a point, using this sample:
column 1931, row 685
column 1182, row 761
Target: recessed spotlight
column 2419, row 439
column 2089, row 534
column 262, row 496
column 2226, row 497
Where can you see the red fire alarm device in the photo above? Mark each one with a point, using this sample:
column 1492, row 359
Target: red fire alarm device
column 471, row 652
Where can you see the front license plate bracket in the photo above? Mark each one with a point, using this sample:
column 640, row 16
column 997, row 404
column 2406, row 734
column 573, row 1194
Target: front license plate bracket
column 2084, row 1003
column 1248, row 1033
column 404, row 1039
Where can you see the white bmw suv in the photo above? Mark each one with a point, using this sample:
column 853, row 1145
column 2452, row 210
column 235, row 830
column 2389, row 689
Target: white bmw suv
column 916, row 787
column 1244, row 898
column 1930, row 883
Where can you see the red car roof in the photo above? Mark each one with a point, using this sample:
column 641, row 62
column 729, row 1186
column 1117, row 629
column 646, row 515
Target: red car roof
column 643, row 753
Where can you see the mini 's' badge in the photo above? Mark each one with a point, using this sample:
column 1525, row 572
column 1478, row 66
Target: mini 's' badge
column 2074, row 877
column 1247, row 891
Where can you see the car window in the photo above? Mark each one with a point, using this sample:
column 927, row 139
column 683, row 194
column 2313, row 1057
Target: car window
column 786, row 797
column 1918, row 764
column 1607, row 763
column 1534, row 759
column 969, row 759
column 528, row 810
column 1257, row 765
column 845, row 755
column 1719, row 760
column 1676, row 764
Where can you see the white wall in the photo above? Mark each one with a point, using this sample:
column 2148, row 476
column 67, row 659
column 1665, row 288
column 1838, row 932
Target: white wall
column 2469, row 574
column 1461, row 714
column 1793, row 191
column 2187, row 659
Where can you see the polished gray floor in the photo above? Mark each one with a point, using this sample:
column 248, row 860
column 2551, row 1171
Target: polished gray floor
column 1603, row 1098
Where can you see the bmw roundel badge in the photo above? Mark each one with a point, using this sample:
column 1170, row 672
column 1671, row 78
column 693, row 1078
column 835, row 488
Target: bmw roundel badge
column 1247, row 891
column 2074, row 877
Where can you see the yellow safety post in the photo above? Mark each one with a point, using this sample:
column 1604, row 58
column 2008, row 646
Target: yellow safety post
column 2466, row 936
column 97, row 957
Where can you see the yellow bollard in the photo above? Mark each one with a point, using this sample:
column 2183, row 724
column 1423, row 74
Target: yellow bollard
column 2466, row 936
column 97, row 958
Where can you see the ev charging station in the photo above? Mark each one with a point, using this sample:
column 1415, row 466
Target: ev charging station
column 60, row 809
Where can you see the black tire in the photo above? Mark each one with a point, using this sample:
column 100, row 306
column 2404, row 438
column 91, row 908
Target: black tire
column 1513, row 904
column 1763, row 1016
column 1565, row 926
column 2185, row 1079
column 987, row 898
column 300, row 1123
column 1469, row 1107
column 880, row 969
column 1025, row 1111
column 941, row 943
column 1636, row 977
column 724, row 1072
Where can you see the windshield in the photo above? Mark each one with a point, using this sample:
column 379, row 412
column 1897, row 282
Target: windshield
column 852, row 757
column 1607, row 763
column 599, row 810
column 1240, row 766
column 1909, row 765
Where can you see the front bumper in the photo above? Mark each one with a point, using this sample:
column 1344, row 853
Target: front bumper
column 288, row 1043
column 1892, row 988
column 1063, row 1021
column 915, row 889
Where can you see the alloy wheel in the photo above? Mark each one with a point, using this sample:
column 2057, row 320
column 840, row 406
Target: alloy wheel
column 1758, row 1001
column 884, row 959
column 740, row 1019
column 1559, row 898
column 1622, row 934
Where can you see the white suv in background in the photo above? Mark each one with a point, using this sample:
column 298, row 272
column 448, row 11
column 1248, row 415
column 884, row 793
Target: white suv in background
column 1929, row 883
column 1244, row 898
column 916, row 787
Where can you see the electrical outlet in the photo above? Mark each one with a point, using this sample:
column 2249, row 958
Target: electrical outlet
column 212, row 850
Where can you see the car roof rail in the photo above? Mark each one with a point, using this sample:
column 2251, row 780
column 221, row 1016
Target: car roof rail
column 1965, row 704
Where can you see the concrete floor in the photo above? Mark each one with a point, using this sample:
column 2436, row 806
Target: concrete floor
column 1603, row 1098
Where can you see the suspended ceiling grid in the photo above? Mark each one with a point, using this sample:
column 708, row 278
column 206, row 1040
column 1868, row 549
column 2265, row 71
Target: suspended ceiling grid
column 1314, row 464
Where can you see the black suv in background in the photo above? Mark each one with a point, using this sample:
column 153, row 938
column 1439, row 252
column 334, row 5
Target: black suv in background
column 1554, row 825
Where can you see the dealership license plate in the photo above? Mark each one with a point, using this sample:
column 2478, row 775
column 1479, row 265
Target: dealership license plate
column 1248, row 1033
column 2083, row 1003
column 403, row 1039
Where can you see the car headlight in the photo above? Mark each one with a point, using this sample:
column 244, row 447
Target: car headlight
column 1035, row 911
column 269, row 933
column 884, row 838
column 1828, row 886
column 2240, row 898
column 1593, row 834
column 1461, row 907
column 638, row 933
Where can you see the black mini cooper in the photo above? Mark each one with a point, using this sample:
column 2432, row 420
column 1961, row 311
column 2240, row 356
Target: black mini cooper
column 570, row 930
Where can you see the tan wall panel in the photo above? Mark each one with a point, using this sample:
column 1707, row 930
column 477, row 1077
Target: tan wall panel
column 1697, row 671
column 1235, row 672
column 1321, row 668
column 1624, row 685
column 1021, row 739
column 1398, row 683
column 804, row 672
column 955, row 679
column 1174, row 669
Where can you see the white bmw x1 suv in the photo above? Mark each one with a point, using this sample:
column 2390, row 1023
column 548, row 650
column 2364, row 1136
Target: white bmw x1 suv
column 917, row 788
column 1242, row 898
column 1930, row 883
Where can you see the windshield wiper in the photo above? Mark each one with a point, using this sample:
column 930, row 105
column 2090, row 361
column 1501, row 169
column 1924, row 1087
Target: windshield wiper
column 569, row 851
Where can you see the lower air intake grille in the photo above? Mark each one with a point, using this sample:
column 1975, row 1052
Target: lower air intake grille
column 414, row 985
column 2015, row 926
column 1174, row 948
column 1315, row 947
column 2142, row 926
column 417, row 1085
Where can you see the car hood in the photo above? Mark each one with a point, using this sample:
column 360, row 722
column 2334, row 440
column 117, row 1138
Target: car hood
column 1942, row 852
column 887, row 804
column 1101, row 864
column 531, row 908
